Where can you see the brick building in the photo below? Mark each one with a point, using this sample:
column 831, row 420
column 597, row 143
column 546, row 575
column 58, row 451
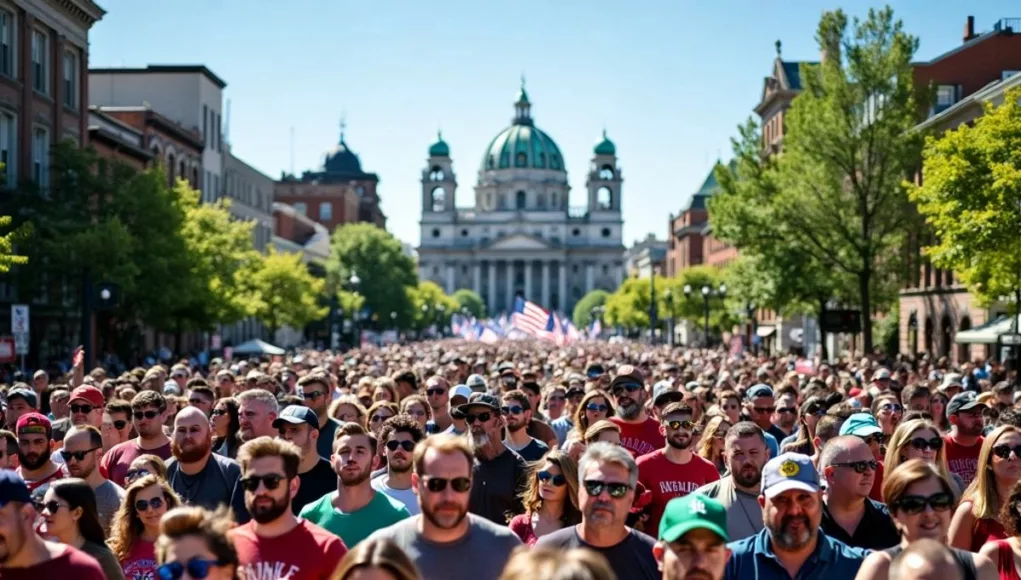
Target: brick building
column 178, row 148
column 116, row 140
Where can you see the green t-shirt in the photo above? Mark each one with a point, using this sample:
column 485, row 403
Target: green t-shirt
column 354, row 527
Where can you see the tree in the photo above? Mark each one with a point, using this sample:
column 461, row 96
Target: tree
column 470, row 300
column 376, row 256
column 288, row 295
column 8, row 242
column 430, row 305
column 628, row 306
column 971, row 197
column 582, row 315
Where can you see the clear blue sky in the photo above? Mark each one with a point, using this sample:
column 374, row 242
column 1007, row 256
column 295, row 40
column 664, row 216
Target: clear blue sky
column 668, row 79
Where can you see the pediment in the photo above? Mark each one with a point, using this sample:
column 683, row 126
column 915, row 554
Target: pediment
column 519, row 242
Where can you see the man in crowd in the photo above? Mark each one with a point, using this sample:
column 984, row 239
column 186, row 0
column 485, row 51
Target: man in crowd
column 299, row 425
column 87, row 406
column 446, row 541
column 149, row 411
column 355, row 509
column 60, row 398
column 477, row 383
column 23, row 553
column 692, row 539
column 316, row 391
column 458, row 396
column 827, row 429
column 554, row 398
column 201, row 396
column 538, row 426
column 8, row 450
column 865, row 427
column 276, row 543
column 257, row 410
column 398, row 437
column 607, row 476
column 964, row 441
column 34, row 453
column 196, row 474
column 83, row 448
column 20, row 400
column 225, row 380
column 674, row 470
column 786, row 418
column 407, row 383
column 792, row 545
column 760, row 407
column 116, row 427
column 663, row 394
column 499, row 472
column 639, row 433
column 563, row 425
column 745, row 452
column 40, row 382
column 848, row 514
column 437, row 393
column 517, row 411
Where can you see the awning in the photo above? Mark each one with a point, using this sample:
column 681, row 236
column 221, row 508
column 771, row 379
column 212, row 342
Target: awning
column 765, row 330
column 987, row 333
column 256, row 346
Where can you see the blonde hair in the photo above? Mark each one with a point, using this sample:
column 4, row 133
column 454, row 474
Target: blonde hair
column 444, row 443
column 270, row 447
column 705, row 449
column 985, row 500
column 552, row 563
column 598, row 427
column 377, row 553
column 126, row 527
column 569, row 469
column 902, row 436
column 211, row 527
column 353, row 401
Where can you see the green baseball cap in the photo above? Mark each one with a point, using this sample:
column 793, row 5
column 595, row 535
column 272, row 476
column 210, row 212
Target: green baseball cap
column 692, row 512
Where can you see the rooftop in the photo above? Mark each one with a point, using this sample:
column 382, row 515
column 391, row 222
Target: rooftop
column 164, row 69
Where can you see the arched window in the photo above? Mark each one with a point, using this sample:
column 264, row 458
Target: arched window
column 541, row 162
column 553, row 201
column 520, row 159
column 436, row 232
column 360, row 191
column 182, row 171
column 171, row 167
column 606, row 172
column 540, row 200
column 604, row 198
column 439, row 198
column 962, row 349
column 946, row 334
column 436, row 174
column 520, row 199
column 325, row 211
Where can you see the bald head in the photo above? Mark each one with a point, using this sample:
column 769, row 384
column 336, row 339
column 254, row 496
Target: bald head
column 193, row 436
column 843, row 448
column 925, row 559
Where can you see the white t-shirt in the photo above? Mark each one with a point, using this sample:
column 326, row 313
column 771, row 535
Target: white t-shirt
column 406, row 496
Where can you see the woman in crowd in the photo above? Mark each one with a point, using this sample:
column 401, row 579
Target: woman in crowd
column 730, row 404
column 604, row 430
column 385, row 389
column 574, row 564
column 348, row 409
column 888, row 412
column 379, row 412
column 137, row 525
column 938, row 409
column 920, row 439
column 711, row 447
column 70, row 515
column 1007, row 552
column 418, row 408
column 999, row 468
column 143, row 465
column 921, row 501
column 376, row 560
column 550, row 500
column 226, row 426
column 193, row 540
column 594, row 406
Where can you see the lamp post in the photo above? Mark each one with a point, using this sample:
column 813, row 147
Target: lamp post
column 355, row 281
column 670, row 314
column 707, row 293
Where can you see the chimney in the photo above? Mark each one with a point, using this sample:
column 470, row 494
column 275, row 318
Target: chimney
column 969, row 29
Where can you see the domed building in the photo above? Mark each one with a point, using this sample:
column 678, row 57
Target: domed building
column 521, row 237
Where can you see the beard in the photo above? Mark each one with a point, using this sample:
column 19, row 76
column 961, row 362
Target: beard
column 81, row 470
column 399, row 467
column 628, row 408
column 445, row 522
column 33, row 461
column 973, row 430
column 478, row 439
column 265, row 514
column 516, row 428
column 748, row 476
column 679, row 441
column 349, row 479
column 191, row 452
column 790, row 540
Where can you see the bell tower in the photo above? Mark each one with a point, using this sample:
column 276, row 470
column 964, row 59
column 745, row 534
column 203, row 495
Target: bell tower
column 439, row 183
column 604, row 178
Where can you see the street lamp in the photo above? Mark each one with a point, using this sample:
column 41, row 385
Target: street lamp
column 707, row 293
column 355, row 281
column 670, row 312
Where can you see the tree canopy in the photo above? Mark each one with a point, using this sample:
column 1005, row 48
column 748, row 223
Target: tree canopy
column 470, row 300
column 582, row 315
column 288, row 295
column 384, row 271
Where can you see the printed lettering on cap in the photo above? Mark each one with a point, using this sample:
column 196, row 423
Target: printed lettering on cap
column 697, row 507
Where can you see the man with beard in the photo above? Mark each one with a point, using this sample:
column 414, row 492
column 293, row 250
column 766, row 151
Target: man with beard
column 276, row 543
column 499, row 473
column 149, row 410
column 257, row 410
column 848, row 514
column 26, row 556
column 517, row 411
column 83, row 448
column 196, row 474
column 316, row 391
column 786, row 418
column 639, row 433
column 964, row 441
column 399, row 436
column 607, row 477
column 792, row 545
column 693, row 539
column 437, row 392
column 760, row 407
column 745, row 452
column 673, row 471
column 299, row 425
column 446, row 541
column 355, row 509
column 37, row 469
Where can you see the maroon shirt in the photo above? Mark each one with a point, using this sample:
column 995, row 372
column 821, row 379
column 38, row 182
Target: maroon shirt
column 116, row 461
column 73, row 563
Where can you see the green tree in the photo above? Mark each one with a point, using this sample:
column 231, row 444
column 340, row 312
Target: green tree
column 376, row 256
column 430, row 305
column 971, row 198
column 472, row 301
column 628, row 306
column 582, row 315
column 8, row 241
column 288, row 295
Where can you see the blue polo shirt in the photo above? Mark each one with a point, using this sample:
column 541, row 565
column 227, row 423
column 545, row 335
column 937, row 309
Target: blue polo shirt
column 753, row 557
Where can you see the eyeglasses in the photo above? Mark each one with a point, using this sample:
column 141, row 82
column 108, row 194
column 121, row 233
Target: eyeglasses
column 271, row 481
column 878, row 438
column 1003, row 451
column 52, row 506
column 142, row 505
column 435, row 392
column 619, row 389
column 915, row 504
column 597, row 408
column 134, row 474
column 675, row 425
column 196, row 567
column 150, row 414
column 513, row 409
column 86, row 409
column 616, row 490
column 415, row 412
column 482, row 417
column 764, row 409
column 859, row 466
column 76, row 455
column 456, row 414
column 787, row 410
column 438, row 484
column 892, row 407
column 313, row 395
column 921, row 444
column 378, row 418
column 120, row 424
column 556, row 398
column 557, row 480
column 406, row 445
column 218, row 412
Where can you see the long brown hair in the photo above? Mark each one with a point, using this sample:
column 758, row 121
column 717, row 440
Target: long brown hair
column 126, row 527
column 569, row 469
column 580, row 422
column 79, row 494
column 377, row 553
column 985, row 500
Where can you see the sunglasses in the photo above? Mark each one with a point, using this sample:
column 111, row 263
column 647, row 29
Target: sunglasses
column 143, row 505
column 915, row 504
column 86, row 409
column 859, row 466
column 457, row 414
column 150, row 414
column 556, row 398
column 893, row 407
column 921, row 444
column 482, row 417
column 787, row 410
column 1003, row 451
column 513, row 409
column 557, row 480
column 196, row 567
column 618, row 390
column 764, row 409
column 76, row 455
column 120, row 424
column 406, row 445
column 134, row 474
column 438, row 484
column 731, row 407
column 675, row 425
column 595, row 488
column 378, row 418
column 415, row 412
column 435, row 392
column 878, row 438
column 597, row 408
column 271, row 481
column 218, row 412
column 51, row 506
column 313, row 396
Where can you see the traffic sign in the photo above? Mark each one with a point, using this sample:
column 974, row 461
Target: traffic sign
column 1010, row 339
column 19, row 318
column 21, row 342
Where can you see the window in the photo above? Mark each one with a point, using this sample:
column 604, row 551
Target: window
column 326, row 211
column 41, row 156
column 7, row 57
column 575, row 232
column 606, row 173
column 604, row 198
column 207, row 186
column 436, row 232
column 436, row 174
column 520, row 199
column 71, row 79
column 554, row 162
column 946, row 95
column 541, row 163
column 300, row 207
column 40, row 62
column 8, row 140
column 464, row 233
column 606, row 232
column 521, row 159
column 219, row 135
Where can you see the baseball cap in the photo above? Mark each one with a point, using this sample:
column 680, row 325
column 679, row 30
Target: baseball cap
column 27, row 394
column 477, row 383
column 461, row 391
column 594, row 370
column 663, row 388
column 692, row 512
column 759, row 390
column 38, row 373
column 296, row 415
column 171, row 388
column 90, row 394
column 952, row 380
column 789, row 471
column 13, row 488
column 881, row 374
column 963, row 402
column 505, row 368
column 34, row 423
column 627, row 374
column 481, row 400
column 860, row 424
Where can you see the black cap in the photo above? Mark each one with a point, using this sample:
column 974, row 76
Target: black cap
column 481, row 400
column 296, row 415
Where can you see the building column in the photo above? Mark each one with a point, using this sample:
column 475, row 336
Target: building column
column 477, row 277
column 450, row 278
column 510, row 285
column 590, row 280
column 491, row 291
column 562, row 290
column 545, row 284
column 528, row 279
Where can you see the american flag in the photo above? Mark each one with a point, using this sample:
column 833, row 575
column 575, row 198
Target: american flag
column 529, row 317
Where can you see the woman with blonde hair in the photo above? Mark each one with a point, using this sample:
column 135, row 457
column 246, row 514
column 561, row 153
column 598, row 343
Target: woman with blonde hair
column 1007, row 552
column 999, row 468
column 711, row 447
column 136, row 525
column 376, row 559
column 550, row 500
column 596, row 405
column 920, row 439
column 384, row 389
column 541, row 563
column 193, row 540
column 348, row 409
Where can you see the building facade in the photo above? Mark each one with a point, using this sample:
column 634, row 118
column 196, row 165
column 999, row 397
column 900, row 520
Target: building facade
column 521, row 237
column 116, row 140
column 645, row 257
column 251, row 197
column 178, row 148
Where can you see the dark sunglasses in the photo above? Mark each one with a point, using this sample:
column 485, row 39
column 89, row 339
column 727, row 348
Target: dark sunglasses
column 879, row 438
column 120, row 424
column 597, row 408
column 378, row 418
column 859, row 466
column 271, row 481
column 894, row 407
column 435, row 392
column 513, row 409
column 86, row 409
column 76, row 455
column 150, row 414
column 482, row 417
column 142, row 505
column 915, row 504
column 1003, row 451
column 731, row 406
column 921, row 444
column 218, row 412
column 621, row 388
column 764, row 409
column 787, row 410
column 313, row 396
column 406, row 445
column 595, row 488
column 51, row 506
column 675, row 425
column 134, row 474
column 557, row 480
column 457, row 414
column 196, row 567
column 816, row 411
column 438, row 484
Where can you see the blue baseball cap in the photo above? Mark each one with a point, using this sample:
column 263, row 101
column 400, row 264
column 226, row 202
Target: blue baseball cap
column 789, row 471
column 296, row 415
column 13, row 488
column 861, row 425
column 759, row 390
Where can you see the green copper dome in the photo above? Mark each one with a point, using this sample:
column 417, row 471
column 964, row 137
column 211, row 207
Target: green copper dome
column 439, row 148
column 522, row 145
column 605, row 147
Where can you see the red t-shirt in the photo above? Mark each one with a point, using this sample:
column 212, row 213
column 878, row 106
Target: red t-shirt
column 73, row 563
column 116, row 461
column 961, row 459
column 141, row 561
column 640, row 438
column 43, row 484
column 876, row 493
column 307, row 552
column 667, row 480
column 521, row 525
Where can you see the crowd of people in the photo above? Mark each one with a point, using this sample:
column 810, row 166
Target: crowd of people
column 519, row 460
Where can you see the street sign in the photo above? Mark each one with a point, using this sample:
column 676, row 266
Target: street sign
column 21, row 342
column 1010, row 339
column 19, row 318
column 7, row 353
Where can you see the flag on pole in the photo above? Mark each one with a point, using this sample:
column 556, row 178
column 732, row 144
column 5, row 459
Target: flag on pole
column 529, row 317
